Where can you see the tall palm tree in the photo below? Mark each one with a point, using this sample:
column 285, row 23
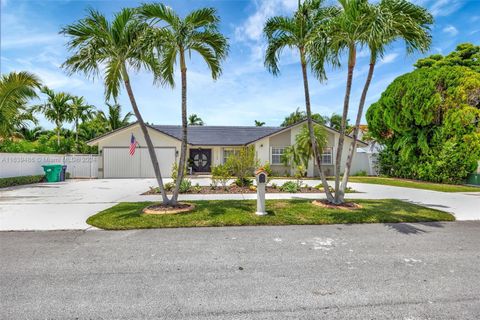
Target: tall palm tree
column 345, row 32
column 177, row 37
column 57, row 109
column 81, row 111
column 114, row 48
column 295, row 33
column 392, row 20
column 259, row 123
column 194, row 120
column 16, row 89
column 114, row 117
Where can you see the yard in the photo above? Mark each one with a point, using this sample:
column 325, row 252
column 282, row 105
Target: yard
column 217, row 213
column 414, row 184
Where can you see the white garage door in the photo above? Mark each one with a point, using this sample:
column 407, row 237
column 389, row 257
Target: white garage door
column 118, row 163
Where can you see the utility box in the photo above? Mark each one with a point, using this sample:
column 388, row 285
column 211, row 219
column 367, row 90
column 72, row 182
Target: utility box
column 261, row 176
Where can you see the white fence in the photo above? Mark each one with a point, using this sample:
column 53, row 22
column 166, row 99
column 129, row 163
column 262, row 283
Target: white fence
column 27, row 164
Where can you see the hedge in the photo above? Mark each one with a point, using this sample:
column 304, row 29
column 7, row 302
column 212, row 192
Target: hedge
column 16, row 181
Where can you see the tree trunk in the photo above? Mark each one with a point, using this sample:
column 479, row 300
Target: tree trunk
column 183, row 152
column 143, row 127
column 58, row 133
column 316, row 152
column 341, row 138
column 76, row 134
column 353, row 145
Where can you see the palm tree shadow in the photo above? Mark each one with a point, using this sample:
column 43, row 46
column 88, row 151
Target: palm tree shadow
column 413, row 228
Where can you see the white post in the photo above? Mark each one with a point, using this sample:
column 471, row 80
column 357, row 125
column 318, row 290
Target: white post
column 261, row 182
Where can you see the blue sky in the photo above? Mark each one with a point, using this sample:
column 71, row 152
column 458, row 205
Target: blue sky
column 246, row 91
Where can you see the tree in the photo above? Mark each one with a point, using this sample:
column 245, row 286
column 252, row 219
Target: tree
column 114, row 117
column 294, row 118
column 428, row 119
column 16, row 89
column 344, row 32
column 177, row 37
column 295, row 33
column 57, row 108
column 31, row 134
column 194, row 120
column 80, row 112
column 301, row 152
column 335, row 121
column 393, row 20
column 259, row 123
column 113, row 48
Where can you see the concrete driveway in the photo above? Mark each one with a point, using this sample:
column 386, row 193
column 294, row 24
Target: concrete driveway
column 67, row 205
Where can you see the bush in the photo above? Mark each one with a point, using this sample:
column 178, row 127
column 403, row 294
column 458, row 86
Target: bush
column 169, row 186
column 242, row 164
column 290, row 186
column 185, row 186
column 17, row 181
column 174, row 173
column 197, row 188
column 361, row 173
column 244, row 182
column 220, row 175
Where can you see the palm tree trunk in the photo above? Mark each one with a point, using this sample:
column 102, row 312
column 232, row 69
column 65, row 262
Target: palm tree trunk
column 58, row 134
column 76, row 134
column 353, row 145
column 316, row 153
column 143, row 127
column 341, row 138
column 183, row 152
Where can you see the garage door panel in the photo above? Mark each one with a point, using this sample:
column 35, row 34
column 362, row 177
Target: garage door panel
column 118, row 163
column 165, row 157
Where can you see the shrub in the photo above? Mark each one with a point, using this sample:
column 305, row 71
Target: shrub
column 169, row 186
column 185, row 186
column 174, row 174
column 197, row 188
column 290, row 186
column 361, row 173
column 274, row 186
column 243, row 182
column 220, row 175
column 243, row 163
column 17, row 181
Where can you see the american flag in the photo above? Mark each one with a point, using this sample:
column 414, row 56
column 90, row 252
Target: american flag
column 133, row 145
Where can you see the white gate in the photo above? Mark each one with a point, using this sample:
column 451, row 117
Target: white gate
column 118, row 163
column 28, row 164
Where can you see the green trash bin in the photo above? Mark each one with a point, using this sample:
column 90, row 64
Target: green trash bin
column 52, row 172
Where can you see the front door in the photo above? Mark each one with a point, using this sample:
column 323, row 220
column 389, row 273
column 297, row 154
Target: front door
column 201, row 159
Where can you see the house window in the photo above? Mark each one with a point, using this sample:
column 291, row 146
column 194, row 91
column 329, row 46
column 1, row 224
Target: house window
column 228, row 152
column 277, row 155
column 327, row 156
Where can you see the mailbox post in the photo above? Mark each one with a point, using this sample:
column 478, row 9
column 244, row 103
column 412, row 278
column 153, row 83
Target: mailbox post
column 261, row 176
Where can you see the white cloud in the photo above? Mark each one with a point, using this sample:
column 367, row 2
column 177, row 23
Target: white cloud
column 30, row 41
column 389, row 58
column 252, row 28
column 445, row 7
column 451, row 30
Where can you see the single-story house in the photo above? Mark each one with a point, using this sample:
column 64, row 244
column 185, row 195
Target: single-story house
column 207, row 146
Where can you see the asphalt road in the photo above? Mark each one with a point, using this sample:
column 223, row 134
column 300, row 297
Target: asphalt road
column 396, row 271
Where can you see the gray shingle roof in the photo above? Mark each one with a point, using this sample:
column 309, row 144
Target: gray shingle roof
column 218, row 135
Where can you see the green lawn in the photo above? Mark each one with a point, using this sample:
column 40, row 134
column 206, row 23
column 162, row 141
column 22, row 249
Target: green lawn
column 414, row 184
column 281, row 212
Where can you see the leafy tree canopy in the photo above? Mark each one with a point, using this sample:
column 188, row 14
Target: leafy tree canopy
column 428, row 119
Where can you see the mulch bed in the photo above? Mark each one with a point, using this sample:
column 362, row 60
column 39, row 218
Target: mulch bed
column 236, row 189
column 163, row 209
column 328, row 205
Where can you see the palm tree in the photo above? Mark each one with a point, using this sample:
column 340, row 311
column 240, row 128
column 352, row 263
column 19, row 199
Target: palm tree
column 393, row 20
column 194, row 120
column 302, row 151
column 80, row 112
column 296, row 33
column 293, row 118
column 31, row 134
column 114, row 119
column 177, row 37
column 57, row 109
column 113, row 48
column 16, row 89
column 344, row 33
column 259, row 123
